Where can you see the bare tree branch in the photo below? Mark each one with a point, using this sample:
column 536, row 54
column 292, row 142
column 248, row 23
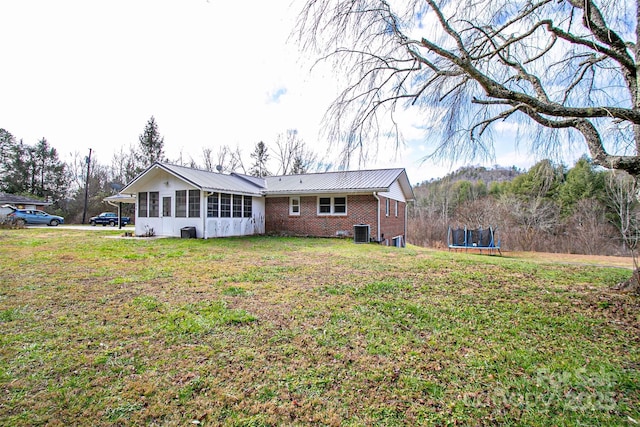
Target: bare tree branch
column 468, row 64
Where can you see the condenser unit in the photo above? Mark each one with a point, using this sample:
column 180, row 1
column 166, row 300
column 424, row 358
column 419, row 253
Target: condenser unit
column 361, row 233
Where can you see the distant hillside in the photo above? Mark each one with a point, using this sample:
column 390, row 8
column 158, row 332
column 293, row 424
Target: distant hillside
column 550, row 207
column 479, row 173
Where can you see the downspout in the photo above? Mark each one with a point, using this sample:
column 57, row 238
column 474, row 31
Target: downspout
column 203, row 200
column 375, row 194
column 406, row 219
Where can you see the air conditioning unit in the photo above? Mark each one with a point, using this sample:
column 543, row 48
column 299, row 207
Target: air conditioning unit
column 361, row 233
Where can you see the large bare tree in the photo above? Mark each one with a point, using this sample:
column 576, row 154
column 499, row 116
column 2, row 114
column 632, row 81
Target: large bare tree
column 564, row 71
column 562, row 64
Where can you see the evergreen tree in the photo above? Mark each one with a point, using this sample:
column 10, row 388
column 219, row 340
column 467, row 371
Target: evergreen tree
column 7, row 144
column 299, row 166
column 151, row 145
column 541, row 181
column 582, row 182
column 16, row 178
column 260, row 158
column 36, row 171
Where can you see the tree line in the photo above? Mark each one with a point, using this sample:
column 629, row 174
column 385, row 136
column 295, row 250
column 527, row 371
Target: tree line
column 583, row 210
column 37, row 170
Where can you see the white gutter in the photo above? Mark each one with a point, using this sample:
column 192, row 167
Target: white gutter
column 406, row 218
column 203, row 201
column 375, row 194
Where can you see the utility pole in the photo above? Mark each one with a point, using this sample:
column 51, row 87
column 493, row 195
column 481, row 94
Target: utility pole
column 86, row 188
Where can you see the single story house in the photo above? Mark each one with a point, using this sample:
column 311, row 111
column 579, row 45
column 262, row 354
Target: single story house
column 20, row 202
column 369, row 205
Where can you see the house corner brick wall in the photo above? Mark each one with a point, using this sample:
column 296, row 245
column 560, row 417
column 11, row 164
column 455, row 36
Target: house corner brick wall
column 391, row 226
column 361, row 209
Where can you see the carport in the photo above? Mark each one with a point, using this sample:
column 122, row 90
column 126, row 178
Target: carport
column 117, row 201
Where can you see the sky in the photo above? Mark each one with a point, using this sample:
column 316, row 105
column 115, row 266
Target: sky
column 88, row 74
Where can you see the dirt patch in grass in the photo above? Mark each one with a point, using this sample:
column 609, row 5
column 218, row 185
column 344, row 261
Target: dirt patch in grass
column 594, row 260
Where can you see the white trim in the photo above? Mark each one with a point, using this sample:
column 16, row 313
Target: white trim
column 332, row 205
column 291, row 199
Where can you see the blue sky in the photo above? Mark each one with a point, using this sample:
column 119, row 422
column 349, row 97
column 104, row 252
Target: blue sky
column 88, row 74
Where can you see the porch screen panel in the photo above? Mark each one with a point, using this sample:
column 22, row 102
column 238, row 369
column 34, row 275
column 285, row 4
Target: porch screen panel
column 225, row 205
column 154, row 204
column 248, row 206
column 194, row 203
column 212, row 205
column 142, row 204
column 237, row 206
column 181, row 203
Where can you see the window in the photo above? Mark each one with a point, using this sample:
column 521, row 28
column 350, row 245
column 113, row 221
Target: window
column 212, row 205
column 225, row 205
column 332, row 205
column 237, row 206
column 194, row 203
column 181, row 203
column 248, row 207
column 142, row 204
column 396, row 208
column 154, row 204
column 324, row 205
column 166, row 206
column 294, row 206
column 386, row 207
column 340, row 205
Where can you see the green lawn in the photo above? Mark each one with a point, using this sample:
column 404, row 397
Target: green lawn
column 282, row 331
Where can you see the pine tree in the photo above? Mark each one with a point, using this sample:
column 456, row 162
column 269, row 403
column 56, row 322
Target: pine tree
column 298, row 166
column 260, row 156
column 7, row 144
column 583, row 181
column 151, row 145
column 35, row 170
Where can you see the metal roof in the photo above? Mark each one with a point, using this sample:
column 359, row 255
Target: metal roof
column 362, row 181
column 344, row 181
column 120, row 198
column 208, row 180
column 21, row 200
column 203, row 179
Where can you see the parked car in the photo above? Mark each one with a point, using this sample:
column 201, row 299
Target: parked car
column 35, row 216
column 109, row 218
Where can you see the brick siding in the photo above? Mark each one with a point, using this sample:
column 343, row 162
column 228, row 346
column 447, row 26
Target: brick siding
column 391, row 225
column 361, row 209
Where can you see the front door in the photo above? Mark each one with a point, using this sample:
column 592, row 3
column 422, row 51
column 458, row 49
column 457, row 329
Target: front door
column 167, row 221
